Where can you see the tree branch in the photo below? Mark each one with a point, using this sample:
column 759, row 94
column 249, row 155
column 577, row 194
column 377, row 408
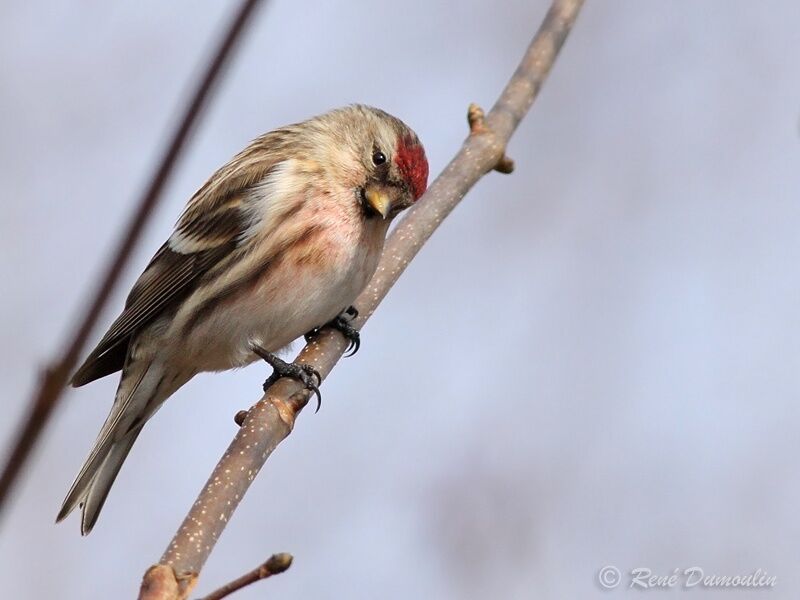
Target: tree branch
column 272, row 418
column 55, row 377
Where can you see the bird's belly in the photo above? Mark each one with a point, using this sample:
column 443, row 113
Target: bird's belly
column 281, row 306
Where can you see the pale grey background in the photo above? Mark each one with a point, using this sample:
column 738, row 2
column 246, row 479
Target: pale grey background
column 594, row 361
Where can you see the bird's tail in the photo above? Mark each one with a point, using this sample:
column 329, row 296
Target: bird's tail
column 135, row 402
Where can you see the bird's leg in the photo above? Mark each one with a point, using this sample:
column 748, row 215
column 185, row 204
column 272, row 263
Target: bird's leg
column 305, row 374
column 342, row 324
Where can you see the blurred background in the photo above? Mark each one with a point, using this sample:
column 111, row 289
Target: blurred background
column 595, row 361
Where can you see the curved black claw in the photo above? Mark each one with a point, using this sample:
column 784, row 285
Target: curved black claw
column 342, row 325
column 305, row 374
column 352, row 334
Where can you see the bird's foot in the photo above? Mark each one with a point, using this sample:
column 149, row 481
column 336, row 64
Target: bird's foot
column 342, row 324
column 305, row 374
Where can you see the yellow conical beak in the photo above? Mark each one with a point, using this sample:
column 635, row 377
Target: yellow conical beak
column 379, row 200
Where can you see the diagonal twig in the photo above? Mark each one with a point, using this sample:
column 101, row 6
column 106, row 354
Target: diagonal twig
column 276, row 564
column 55, row 376
column 272, row 418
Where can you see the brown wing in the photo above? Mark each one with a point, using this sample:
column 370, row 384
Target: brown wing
column 210, row 229
column 169, row 278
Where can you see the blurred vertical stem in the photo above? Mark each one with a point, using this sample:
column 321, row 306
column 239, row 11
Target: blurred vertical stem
column 272, row 418
column 56, row 375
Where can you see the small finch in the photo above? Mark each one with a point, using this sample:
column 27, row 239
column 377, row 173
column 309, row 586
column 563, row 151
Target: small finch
column 278, row 242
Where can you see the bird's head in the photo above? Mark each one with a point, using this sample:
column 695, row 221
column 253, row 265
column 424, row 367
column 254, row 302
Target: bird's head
column 379, row 156
column 395, row 165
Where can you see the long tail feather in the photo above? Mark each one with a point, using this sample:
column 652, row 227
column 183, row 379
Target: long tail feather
column 101, row 483
column 133, row 404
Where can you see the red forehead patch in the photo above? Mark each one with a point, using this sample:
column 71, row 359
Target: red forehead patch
column 412, row 164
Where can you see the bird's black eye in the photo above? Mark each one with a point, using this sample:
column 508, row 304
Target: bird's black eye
column 378, row 158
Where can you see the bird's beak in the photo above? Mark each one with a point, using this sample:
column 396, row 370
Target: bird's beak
column 379, row 200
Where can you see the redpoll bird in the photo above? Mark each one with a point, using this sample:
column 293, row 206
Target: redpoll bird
column 276, row 243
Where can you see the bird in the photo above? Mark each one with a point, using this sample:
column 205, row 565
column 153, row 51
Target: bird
column 277, row 243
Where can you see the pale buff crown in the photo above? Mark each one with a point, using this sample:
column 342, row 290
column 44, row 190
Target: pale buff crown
column 345, row 139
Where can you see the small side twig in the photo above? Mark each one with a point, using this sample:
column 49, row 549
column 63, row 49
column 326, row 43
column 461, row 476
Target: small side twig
column 239, row 417
column 276, row 564
column 477, row 126
column 55, row 377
